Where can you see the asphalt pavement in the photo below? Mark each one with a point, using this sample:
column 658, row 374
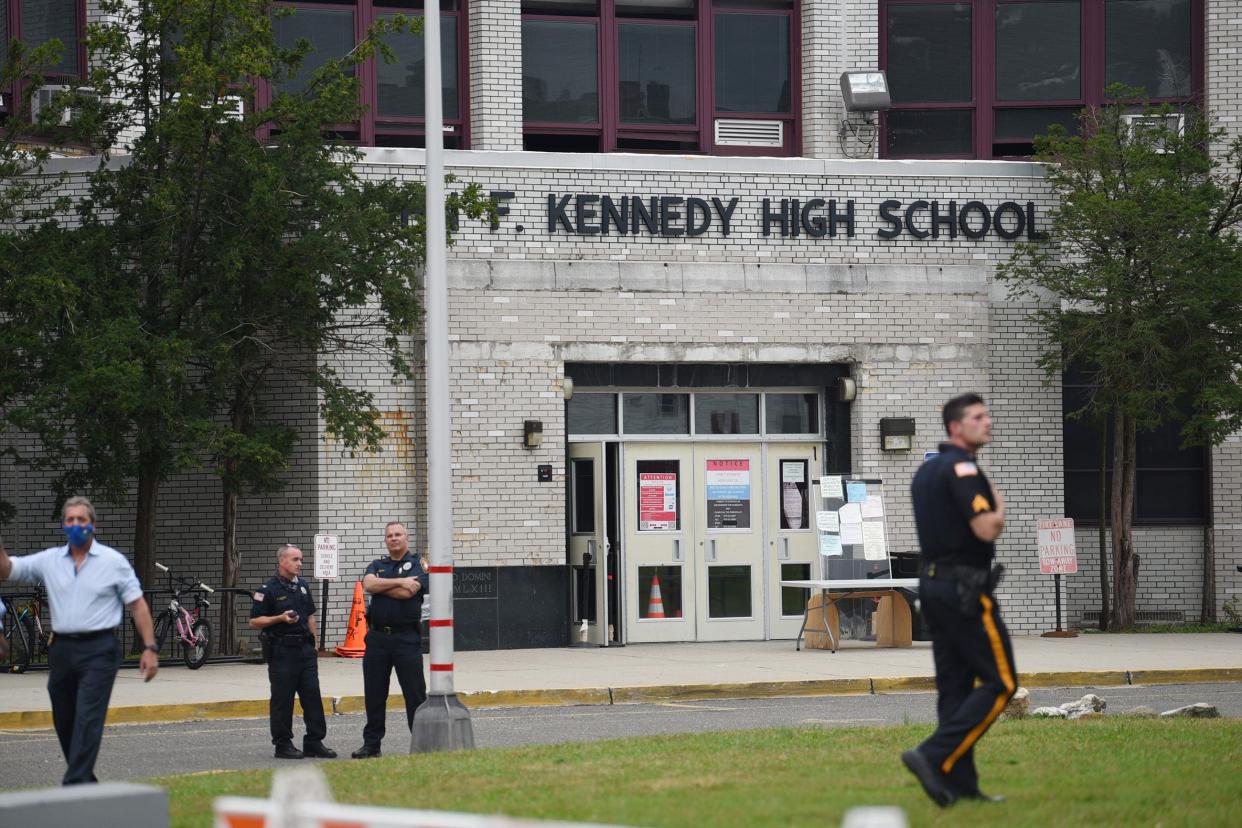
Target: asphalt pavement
column 132, row 752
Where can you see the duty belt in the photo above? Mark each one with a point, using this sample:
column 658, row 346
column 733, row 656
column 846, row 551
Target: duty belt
column 945, row 571
column 391, row 629
column 291, row 639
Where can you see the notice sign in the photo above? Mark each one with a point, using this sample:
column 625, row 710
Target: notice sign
column 325, row 557
column 1057, row 555
column 657, row 501
column 728, row 494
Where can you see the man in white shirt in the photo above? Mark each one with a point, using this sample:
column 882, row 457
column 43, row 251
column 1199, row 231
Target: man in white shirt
column 87, row 585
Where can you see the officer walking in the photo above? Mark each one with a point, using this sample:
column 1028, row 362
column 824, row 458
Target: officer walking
column 396, row 584
column 959, row 515
column 284, row 611
column 87, row 586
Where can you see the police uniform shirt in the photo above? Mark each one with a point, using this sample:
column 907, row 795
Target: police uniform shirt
column 277, row 595
column 393, row 611
column 948, row 491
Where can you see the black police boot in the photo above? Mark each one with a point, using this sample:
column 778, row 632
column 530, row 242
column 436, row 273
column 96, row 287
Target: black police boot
column 318, row 750
column 287, row 751
column 934, row 783
column 366, row 752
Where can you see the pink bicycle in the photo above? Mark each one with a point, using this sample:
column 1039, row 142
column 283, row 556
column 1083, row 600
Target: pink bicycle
column 192, row 628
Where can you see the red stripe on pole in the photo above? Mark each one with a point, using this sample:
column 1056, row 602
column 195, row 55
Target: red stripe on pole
column 442, row 668
column 444, row 569
column 441, row 622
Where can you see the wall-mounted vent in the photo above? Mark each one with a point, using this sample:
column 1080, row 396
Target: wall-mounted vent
column 737, row 132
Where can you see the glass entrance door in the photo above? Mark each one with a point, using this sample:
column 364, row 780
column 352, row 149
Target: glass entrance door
column 658, row 542
column 588, row 542
column 729, row 524
column 793, row 543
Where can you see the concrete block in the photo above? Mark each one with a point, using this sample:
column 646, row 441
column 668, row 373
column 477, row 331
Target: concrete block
column 650, row 276
column 897, row 278
column 713, row 277
column 110, row 803
column 776, row 278
column 588, row 275
column 834, row 278
column 522, row 275
column 468, row 274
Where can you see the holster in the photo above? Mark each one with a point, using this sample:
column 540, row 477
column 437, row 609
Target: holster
column 970, row 585
column 265, row 647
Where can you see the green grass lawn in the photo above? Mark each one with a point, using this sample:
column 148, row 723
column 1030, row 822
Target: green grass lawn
column 1101, row 772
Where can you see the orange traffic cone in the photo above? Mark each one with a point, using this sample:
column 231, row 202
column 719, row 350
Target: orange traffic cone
column 356, row 636
column 655, row 604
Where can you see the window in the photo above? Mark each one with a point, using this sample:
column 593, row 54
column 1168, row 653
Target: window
column 1170, row 482
column 35, row 22
column 715, row 76
column 391, row 92
column 981, row 79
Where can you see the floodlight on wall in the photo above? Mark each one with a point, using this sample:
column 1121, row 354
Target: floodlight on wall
column 896, row 433
column 847, row 389
column 866, row 92
column 532, row 433
column 567, row 388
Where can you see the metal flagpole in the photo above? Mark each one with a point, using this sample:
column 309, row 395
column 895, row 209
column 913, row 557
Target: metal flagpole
column 442, row 722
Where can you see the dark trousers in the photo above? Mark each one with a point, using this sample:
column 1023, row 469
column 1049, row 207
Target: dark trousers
column 386, row 651
column 79, row 682
column 295, row 670
column 966, row 646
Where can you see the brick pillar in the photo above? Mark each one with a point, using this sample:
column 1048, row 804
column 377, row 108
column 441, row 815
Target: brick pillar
column 836, row 37
column 495, row 74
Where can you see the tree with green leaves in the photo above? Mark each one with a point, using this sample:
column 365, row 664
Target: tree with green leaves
column 219, row 254
column 1142, row 265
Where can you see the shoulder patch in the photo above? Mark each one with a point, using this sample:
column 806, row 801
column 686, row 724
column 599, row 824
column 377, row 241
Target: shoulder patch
column 965, row 469
column 259, row 596
column 980, row 504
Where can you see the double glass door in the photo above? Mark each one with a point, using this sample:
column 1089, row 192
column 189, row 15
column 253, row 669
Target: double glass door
column 709, row 529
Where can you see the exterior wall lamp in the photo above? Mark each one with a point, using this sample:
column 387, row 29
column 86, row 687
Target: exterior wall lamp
column 532, row 433
column 896, row 433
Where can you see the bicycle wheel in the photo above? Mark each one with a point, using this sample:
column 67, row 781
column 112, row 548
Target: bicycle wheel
column 196, row 654
column 18, row 632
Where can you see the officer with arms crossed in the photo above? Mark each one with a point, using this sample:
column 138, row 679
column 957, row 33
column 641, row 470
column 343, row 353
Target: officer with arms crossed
column 396, row 584
column 959, row 515
column 87, row 586
column 285, row 612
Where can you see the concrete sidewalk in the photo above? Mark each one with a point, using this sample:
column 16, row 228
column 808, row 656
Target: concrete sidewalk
column 654, row 672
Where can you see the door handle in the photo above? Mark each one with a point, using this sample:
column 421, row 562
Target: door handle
column 677, row 549
column 711, row 549
column 784, row 549
column 591, row 548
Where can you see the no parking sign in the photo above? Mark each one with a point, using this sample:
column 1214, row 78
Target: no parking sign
column 1057, row 553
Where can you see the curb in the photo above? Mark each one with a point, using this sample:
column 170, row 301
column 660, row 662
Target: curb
column 651, row 694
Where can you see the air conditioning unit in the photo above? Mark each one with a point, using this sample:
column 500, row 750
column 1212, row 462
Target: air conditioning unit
column 234, row 106
column 743, row 132
column 1174, row 123
column 45, row 97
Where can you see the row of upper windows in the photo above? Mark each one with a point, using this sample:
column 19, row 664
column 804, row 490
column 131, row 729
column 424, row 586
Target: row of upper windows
column 968, row 79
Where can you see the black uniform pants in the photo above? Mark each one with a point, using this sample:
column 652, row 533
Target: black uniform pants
column 966, row 646
column 295, row 669
column 80, row 677
column 402, row 651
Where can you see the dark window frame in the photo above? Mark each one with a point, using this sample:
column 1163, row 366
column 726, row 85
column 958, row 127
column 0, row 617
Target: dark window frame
column 372, row 125
column 12, row 12
column 984, row 103
column 611, row 132
column 1144, row 475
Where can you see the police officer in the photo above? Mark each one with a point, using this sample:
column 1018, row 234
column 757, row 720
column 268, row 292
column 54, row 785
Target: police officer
column 284, row 611
column 396, row 584
column 959, row 515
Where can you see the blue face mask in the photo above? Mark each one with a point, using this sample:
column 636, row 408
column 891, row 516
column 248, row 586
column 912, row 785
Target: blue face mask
column 79, row 535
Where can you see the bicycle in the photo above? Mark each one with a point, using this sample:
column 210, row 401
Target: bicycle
column 193, row 630
column 23, row 627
